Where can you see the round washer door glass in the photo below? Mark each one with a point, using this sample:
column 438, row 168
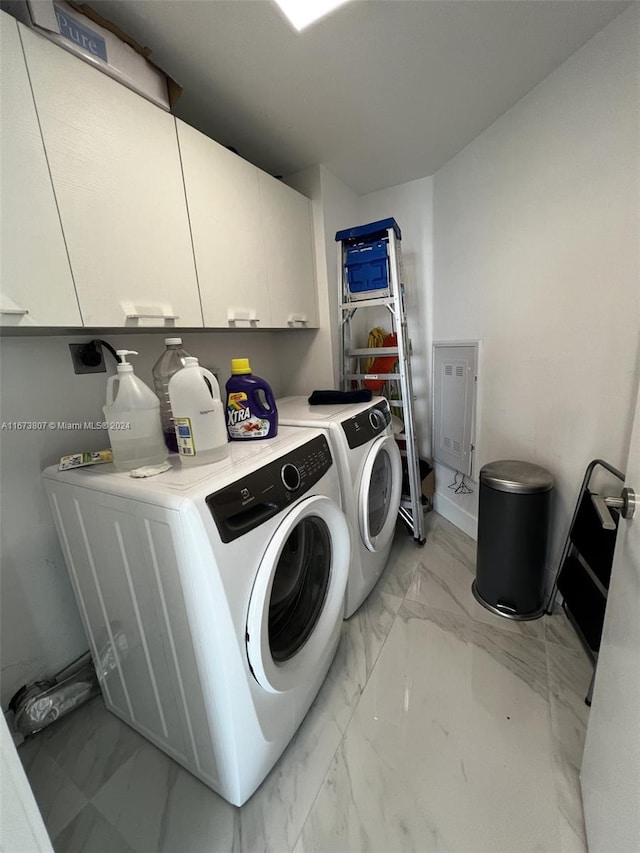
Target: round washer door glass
column 380, row 493
column 296, row 605
column 299, row 588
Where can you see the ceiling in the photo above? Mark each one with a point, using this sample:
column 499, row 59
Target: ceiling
column 380, row 91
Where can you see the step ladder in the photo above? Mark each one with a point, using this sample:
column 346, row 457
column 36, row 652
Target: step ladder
column 371, row 277
column 585, row 566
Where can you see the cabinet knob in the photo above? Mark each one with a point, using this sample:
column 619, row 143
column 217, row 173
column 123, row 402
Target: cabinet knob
column 16, row 312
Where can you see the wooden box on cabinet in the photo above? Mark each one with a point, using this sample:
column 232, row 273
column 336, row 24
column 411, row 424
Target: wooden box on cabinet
column 101, row 43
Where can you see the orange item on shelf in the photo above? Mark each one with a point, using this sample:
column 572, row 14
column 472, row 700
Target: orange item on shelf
column 382, row 364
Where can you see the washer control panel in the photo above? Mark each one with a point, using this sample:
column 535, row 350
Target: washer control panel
column 366, row 425
column 257, row 497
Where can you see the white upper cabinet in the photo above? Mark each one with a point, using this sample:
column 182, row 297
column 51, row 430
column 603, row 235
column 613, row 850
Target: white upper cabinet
column 105, row 204
column 252, row 240
column 36, row 287
column 286, row 227
column 223, row 199
column 116, row 173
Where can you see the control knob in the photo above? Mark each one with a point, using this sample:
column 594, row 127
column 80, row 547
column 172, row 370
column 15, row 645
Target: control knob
column 290, row 477
column 376, row 419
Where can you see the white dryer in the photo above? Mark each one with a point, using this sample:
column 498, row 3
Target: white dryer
column 370, row 467
column 212, row 597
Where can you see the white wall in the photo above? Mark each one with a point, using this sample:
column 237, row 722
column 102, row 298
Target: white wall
column 316, row 353
column 340, row 210
column 305, row 348
column 21, row 826
column 41, row 630
column 335, row 207
column 536, row 236
column 410, row 205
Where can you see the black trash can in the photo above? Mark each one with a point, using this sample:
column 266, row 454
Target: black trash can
column 513, row 523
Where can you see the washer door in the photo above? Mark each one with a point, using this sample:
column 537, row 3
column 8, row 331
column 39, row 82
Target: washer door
column 379, row 496
column 298, row 594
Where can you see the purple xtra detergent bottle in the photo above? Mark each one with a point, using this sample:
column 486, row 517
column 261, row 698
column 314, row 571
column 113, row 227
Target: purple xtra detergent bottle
column 251, row 406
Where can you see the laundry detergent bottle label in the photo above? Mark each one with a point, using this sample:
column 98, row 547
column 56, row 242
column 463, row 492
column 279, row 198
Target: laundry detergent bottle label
column 241, row 421
column 251, row 406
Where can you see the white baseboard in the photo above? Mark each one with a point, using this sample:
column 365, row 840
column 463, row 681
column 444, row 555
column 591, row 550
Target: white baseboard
column 448, row 509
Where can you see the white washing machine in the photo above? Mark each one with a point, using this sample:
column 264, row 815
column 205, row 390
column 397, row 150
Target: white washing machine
column 212, row 597
column 370, row 467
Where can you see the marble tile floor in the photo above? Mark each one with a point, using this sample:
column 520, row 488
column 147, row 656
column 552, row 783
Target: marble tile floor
column 440, row 727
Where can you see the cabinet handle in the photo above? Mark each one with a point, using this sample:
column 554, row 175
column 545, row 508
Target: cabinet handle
column 152, row 316
column 241, row 317
column 16, row 312
column 297, row 319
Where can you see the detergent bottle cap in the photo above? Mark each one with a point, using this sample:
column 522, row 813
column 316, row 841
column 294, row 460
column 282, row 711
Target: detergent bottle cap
column 124, row 366
column 240, row 365
column 190, row 361
column 172, row 342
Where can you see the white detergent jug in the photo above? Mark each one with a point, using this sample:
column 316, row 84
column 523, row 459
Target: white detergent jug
column 133, row 419
column 198, row 414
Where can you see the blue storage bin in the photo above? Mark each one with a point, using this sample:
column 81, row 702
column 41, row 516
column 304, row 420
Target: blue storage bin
column 369, row 232
column 366, row 257
column 367, row 268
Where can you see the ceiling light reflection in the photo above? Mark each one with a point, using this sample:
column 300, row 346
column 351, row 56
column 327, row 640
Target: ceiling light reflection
column 301, row 13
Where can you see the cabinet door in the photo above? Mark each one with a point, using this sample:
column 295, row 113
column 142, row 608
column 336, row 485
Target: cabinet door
column 36, row 288
column 286, row 224
column 116, row 173
column 224, row 210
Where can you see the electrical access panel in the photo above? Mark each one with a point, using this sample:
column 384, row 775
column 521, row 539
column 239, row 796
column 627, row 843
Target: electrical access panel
column 454, row 397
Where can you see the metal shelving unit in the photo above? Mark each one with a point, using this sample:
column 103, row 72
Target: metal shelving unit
column 372, row 254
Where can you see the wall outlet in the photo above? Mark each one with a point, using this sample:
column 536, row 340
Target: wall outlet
column 87, row 358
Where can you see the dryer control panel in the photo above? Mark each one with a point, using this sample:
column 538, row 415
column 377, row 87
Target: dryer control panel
column 366, row 425
column 257, row 497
